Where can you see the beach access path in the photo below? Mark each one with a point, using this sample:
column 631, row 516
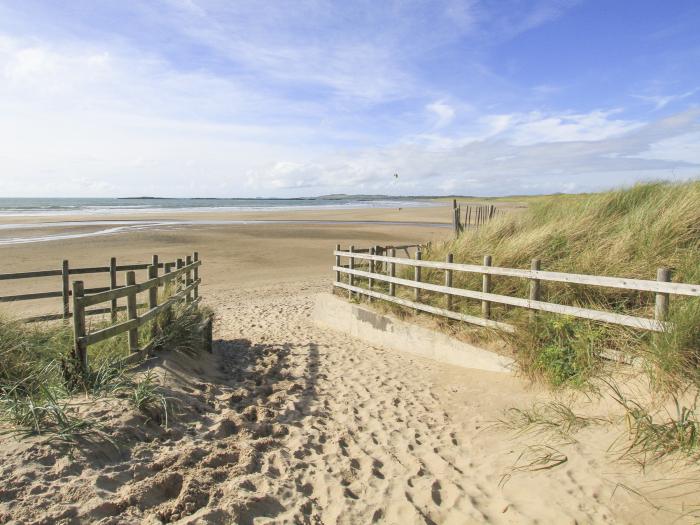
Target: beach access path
column 381, row 436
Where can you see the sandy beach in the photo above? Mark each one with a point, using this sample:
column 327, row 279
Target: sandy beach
column 238, row 255
column 288, row 422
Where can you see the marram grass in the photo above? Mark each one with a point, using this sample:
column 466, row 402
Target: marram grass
column 625, row 233
column 38, row 383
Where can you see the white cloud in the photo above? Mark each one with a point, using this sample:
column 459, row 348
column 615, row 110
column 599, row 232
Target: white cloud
column 443, row 113
column 661, row 101
column 535, row 127
column 591, row 159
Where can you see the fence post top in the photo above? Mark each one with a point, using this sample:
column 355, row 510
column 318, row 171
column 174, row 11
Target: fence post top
column 663, row 274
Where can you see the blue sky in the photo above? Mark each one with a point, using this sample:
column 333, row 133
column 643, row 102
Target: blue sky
column 236, row 98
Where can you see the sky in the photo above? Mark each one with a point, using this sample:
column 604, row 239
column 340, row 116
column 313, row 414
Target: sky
column 219, row 98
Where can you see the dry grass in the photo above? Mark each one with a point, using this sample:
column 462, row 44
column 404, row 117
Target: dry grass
column 627, row 233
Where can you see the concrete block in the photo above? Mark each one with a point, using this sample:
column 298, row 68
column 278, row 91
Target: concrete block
column 386, row 331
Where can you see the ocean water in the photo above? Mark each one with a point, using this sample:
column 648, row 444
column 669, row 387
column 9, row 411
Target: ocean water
column 56, row 229
column 49, row 207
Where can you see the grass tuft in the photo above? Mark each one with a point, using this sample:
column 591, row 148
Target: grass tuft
column 553, row 420
column 652, row 438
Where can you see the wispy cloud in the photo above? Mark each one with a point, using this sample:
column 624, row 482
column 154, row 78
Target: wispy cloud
column 661, row 101
column 443, row 113
column 497, row 164
column 211, row 97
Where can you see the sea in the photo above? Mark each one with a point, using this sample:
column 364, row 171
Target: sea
column 102, row 206
column 110, row 215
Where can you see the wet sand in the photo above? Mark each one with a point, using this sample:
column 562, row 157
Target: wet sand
column 240, row 255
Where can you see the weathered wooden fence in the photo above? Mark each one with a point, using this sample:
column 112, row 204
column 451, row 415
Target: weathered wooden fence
column 662, row 288
column 77, row 299
column 185, row 277
column 473, row 216
column 65, row 272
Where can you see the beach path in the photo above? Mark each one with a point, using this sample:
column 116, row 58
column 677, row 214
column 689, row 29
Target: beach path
column 379, row 436
column 288, row 422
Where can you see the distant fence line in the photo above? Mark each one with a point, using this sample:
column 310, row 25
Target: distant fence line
column 662, row 288
column 474, row 216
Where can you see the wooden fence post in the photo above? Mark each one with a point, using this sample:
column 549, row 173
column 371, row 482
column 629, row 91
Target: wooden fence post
column 417, row 275
column 486, row 288
column 534, row 286
column 178, row 280
column 195, row 273
column 188, row 279
column 65, row 289
column 79, row 346
column 371, row 270
column 392, row 273
column 154, row 263
column 153, row 296
column 112, row 286
column 351, row 277
column 661, row 305
column 167, row 268
column 378, row 265
column 153, row 291
column 132, row 312
column 337, row 263
column 448, row 281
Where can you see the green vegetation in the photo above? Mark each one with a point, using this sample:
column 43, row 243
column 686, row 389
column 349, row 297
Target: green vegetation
column 555, row 421
column 651, row 439
column 39, row 385
column 627, row 233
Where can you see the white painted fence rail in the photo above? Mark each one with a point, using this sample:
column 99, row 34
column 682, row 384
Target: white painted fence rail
column 661, row 287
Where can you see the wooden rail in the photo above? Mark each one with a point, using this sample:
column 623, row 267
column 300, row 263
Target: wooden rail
column 186, row 278
column 65, row 292
column 661, row 287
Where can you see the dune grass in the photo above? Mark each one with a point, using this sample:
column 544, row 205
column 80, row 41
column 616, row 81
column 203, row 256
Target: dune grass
column 38, row 381
column 626, row 233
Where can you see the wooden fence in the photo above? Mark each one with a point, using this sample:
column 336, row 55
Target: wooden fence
column 184, row 275
column 65, row 272
column 474, row 216
column 187, row 290
column 662, row 288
